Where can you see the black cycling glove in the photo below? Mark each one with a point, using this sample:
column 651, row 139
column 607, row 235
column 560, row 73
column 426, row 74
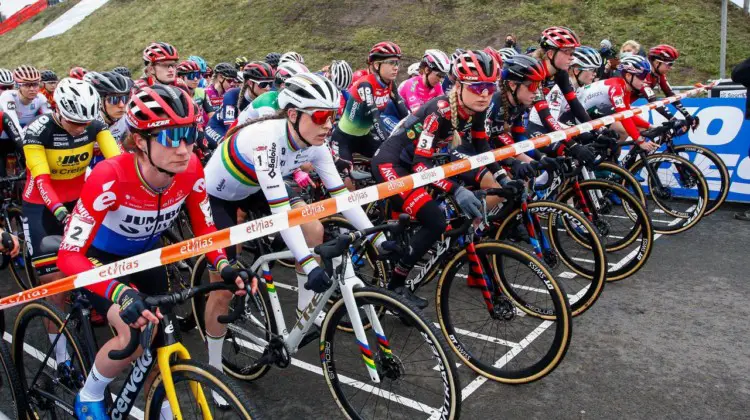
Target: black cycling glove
column 318, row 281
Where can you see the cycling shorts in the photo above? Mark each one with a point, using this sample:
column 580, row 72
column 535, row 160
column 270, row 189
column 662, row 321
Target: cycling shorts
column 472, row 178
column 346, row 145
column 39, row 222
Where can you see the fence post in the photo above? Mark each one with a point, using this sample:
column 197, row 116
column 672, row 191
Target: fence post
column 747, row 6
column 723, row 52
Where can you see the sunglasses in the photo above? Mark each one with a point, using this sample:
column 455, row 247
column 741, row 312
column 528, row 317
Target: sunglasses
column 667, row 63
column 191, row 76
column 480, row 88
column 320, row 116
column 171, row 137
column 232, row 82
column 532, row 86
column 116, row 99
column 262, row 85
column 29, row 85
column 394, row 63
column 77, row 124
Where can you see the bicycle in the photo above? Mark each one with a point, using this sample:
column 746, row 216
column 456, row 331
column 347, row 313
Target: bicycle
column 51, row 387
column 383, row 356
column 15, row 404
column 13, row 221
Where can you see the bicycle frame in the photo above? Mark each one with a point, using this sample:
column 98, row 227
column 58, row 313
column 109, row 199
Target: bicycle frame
column 292, row 339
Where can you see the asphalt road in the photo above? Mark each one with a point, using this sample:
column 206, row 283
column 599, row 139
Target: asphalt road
column 668, row 342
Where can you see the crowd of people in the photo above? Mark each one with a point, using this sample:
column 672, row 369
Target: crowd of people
column 110, row 160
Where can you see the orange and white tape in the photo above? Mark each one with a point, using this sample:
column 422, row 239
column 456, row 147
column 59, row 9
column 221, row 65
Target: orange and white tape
column 275, row 223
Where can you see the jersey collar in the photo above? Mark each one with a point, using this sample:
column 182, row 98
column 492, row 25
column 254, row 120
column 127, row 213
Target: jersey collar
column 293, row 146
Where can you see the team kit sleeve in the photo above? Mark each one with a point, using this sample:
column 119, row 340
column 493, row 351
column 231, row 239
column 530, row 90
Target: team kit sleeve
column 569, row 93
column 107, row 143
column 423, row 152
column 365, row 92
column 481, row 141
column 13, row 132
column 621, row 103
column 36, row 161
column 101, row 193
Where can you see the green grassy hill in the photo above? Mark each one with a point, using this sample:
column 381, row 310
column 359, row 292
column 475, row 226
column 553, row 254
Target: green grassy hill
column 322, row 30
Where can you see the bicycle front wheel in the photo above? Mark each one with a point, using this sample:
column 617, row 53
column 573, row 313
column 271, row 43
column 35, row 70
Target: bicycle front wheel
column 185, row 374
column 417, row 373
column 713, row 169
column 517, row 330
column 12, row 395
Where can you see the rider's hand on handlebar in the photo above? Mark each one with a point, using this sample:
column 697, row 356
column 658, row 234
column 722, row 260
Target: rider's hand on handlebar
column 522, row 170
column 648, row 146
column 230, row 275
column 468, row 201
column 133, row 309
column 9, row 245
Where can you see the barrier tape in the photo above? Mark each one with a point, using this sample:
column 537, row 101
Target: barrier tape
column 275, row 223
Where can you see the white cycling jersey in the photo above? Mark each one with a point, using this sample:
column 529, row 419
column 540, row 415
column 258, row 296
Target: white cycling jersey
column 22, row 115
column 257, row 158
column 119, row 129
column 558, row 106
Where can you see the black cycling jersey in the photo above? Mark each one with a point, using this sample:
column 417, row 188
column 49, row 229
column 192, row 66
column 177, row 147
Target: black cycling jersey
column 504, row 129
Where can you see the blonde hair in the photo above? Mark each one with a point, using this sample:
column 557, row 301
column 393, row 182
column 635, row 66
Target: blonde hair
column 630, row 43
column 453, row 100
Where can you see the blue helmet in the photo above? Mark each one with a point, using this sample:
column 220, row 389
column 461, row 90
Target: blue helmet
column 634, row 64
column 199, row 61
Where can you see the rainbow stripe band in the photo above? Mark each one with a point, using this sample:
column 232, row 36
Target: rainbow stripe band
column 366, row 354
column 307, row 260
column 279, row 202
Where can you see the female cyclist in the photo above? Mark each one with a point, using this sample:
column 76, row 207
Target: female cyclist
column 203, row 66
column 224, row 79
column 48, row 85
column 433, row 68
column 26, row 103
column 268, row 102
column 445, row 121
column 247, row 173
column 114, row 94
column 160, row 65
column 190, row 74
column 126, row 204
column 662, row 58
column 6, row 80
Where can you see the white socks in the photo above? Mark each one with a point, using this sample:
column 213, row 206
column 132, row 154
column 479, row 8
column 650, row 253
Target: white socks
column 61, row 348
column 304, row 296
column 93, row 389
column 215, row 344
column 166, row 411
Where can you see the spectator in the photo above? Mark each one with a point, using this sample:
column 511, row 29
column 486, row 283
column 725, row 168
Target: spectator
column 741, row 75
column 611, row 59
column 631, row 47
column 512, row 42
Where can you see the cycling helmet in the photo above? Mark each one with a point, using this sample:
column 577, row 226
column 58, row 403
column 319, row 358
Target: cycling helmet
column 227, row 70
column 259, row 71
column 77, row 73
column 455, row 55
column 26, row 74
column 287, row 70
column 202, row 65
column 506, row 53
column 109, row 83
column 309, row 91
column 557, row 37
column 664, row 52
column 341, row 74
column 291, row 56
column 413, row 69
column 77, row 100
column 523, row 68
column 49, row 76
column 437, row 60
column 273, row 58
column 159, row 51
column 636, row 65
column 160, row 106
column 6, row 78
column 240, row 62
column 495, row 54
column 587, row 58
column 123, row 71
column 475, row 66
column 383, row 50
column 187, row 67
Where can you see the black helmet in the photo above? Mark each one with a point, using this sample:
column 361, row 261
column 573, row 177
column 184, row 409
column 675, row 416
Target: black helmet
column 123, row 71
column 523, row 68
column 49, row 76
column 227, row 70
column 258, row 71
column 272, row 58
column 109, row 83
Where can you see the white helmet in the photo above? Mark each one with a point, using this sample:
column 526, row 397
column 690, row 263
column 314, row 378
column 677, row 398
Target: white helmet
column 413, row 69
column 291, row 56
column 6, row 78
column 287, row 70
column 437, row 60
column 507, row 53
column 77, row 100
column 309, row 91
column 341, row 74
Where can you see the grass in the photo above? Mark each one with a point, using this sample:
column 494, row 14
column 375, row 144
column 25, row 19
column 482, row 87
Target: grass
column 323, row 30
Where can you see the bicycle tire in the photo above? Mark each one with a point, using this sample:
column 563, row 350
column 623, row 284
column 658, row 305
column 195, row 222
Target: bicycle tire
column 686, row 220
column 714, row 201
column 558, row 314
column 391, row 375
column 10, row 381
column 22, row 334
column 634, row 259
column 209, row 377
column 232, row 367
column 622, row 176
column 595, row 272
column 17, row 266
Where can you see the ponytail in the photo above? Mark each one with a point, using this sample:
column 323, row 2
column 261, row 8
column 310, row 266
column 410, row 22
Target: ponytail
column 280, row 114
column 241, row 97
column 453, row 100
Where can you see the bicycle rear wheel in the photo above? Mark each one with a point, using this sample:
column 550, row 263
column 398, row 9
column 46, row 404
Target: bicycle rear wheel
column 19, row 266
column 417, row 373
column 186, row 373
column 12, row 397
column 713, row 169
column 678, row 199
column 516, row 332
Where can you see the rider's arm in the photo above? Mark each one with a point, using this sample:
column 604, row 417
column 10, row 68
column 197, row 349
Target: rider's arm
column 425, row 146
column 667, row 89
column 481, row 141
column 100, row 193
column 620, row 102
column 403, row 110
column 14, row 134
column 650, row 96
column 365, row 93
column 8, row 106
column 36, row 161
column 563, row 81
column 107, row 144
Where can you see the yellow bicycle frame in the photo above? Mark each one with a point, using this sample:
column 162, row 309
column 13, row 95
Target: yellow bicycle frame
column 163, row 355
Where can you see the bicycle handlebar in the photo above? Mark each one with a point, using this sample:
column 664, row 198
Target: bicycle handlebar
column 338, row 246
column 14, row 178
column 143, row 338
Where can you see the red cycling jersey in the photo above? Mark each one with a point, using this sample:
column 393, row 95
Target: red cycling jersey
column 609, row 96
column 120, row 214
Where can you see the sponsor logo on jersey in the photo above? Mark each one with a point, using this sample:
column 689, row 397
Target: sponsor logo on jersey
column 272, row 161
column 106, row 198
column 10, row 106
column 73, row 159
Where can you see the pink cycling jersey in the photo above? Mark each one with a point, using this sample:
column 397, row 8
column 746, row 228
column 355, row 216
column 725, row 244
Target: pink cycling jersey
column 416, row 93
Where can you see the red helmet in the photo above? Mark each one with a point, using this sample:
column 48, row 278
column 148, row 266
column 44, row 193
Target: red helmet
column 188, row 67
column 159, row 51
column 78, row 73
column 26, row 74
column 664, row 52
column 522, row 68
column 558, row 37
column 475, row 66
column 382, row 50
column 258, row 71
column 159, row 107
column 495, row 54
